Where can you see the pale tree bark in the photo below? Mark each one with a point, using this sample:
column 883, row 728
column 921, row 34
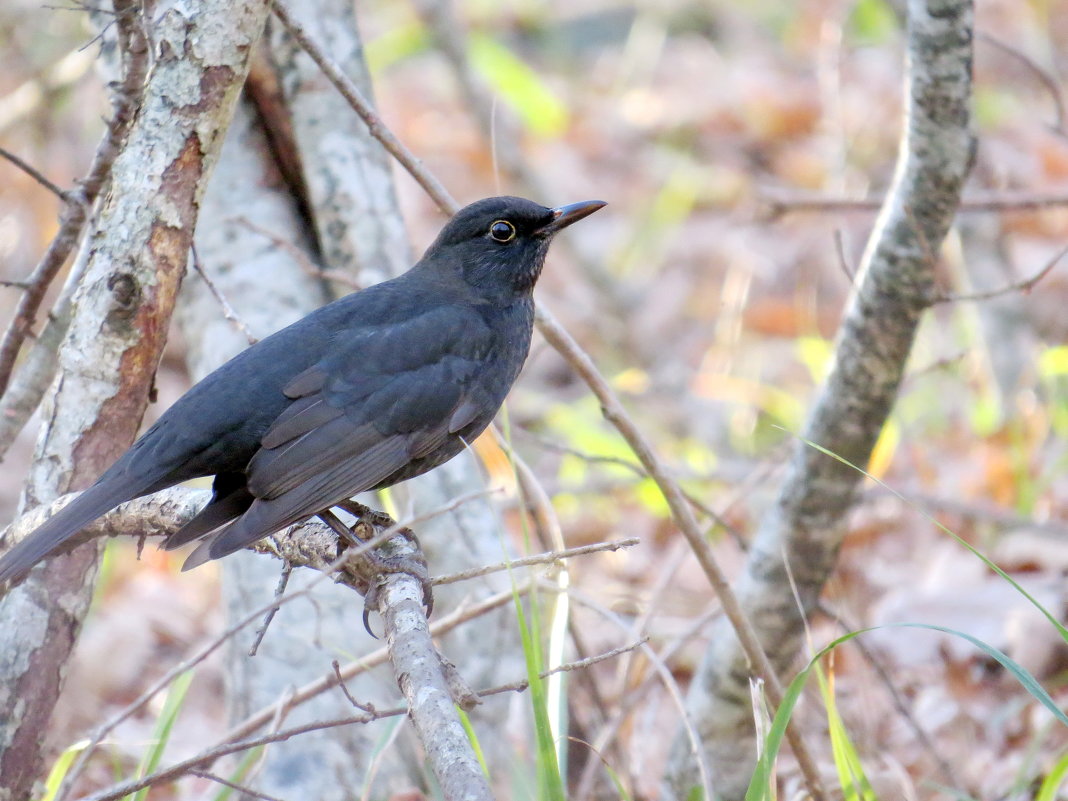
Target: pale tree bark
column 799, row 537
column 348, row 175
column 341, row 213
column 268, row 289
column 135, row 261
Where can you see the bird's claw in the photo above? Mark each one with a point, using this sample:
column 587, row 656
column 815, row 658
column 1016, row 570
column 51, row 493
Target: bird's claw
column 413, row 565
column 384, row 560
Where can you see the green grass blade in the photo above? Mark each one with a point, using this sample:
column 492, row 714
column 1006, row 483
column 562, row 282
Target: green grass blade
column 549, row 778
column 851, row 777
column 519, row 86
column 239, row 774
column 401, row 42
column 465, row 721
column 1053, row 781
column 760, row 784
column 975, row 551
column 1029, row 682
column 59, row 769
column 172, row 707
column 550, row 782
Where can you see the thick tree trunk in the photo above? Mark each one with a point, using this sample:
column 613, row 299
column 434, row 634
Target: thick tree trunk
column 135, row 261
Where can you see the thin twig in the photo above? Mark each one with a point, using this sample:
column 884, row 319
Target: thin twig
column 300, row 257
column 279, row 591
column 582, row 664
column 682, row 514
column 227, row 309
column 1025, row 285
column 205, row 758
column 34, row 173
column 1043, row 75
column 431, row 185
column 843, row 262
column 579, row 664
column 245, row 791
column 538, row 559
column 1009, row 202
column 345, row 690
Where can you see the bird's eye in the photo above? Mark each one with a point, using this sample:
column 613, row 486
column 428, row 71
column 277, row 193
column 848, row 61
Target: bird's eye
column 502, row 231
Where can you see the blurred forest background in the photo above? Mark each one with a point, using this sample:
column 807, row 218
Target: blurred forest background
column 743, row 149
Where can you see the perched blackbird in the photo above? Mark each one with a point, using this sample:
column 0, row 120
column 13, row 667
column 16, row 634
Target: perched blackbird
column 372, row 389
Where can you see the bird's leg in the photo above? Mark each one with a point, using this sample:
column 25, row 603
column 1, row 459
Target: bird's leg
column 343, row 532
column 379, row 561
column 367, row 514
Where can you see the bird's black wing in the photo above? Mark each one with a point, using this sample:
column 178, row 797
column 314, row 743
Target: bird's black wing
column 385, row 399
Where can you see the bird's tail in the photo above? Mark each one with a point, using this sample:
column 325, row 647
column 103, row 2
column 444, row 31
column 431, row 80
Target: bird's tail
column 64, row 525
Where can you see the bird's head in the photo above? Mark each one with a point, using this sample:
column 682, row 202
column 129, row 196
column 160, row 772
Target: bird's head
column 499, row 244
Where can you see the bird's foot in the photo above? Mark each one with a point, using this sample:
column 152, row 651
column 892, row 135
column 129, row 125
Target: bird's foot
column 412, row 564
column 401, row 553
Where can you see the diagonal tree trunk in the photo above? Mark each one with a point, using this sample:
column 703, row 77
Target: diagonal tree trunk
column 135, row 259
column 799, row 536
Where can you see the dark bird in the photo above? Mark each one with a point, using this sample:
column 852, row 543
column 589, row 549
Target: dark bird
column 372, row 389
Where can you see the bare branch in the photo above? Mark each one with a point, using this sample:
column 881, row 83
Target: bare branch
column 33, row 378
column 227, row 309
column 126, row 100
column 421, row 675
column 361, row 106
column 245, row 791
column 300, row 257
column 683, row 516
column 1044, row 76
column 539, row 559
column 34, row 173
column 308, row 544
column 1026, row 285
column 238, row 739
column 781, row 202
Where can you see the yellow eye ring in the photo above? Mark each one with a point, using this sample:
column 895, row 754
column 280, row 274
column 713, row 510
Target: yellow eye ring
column 502, row 231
